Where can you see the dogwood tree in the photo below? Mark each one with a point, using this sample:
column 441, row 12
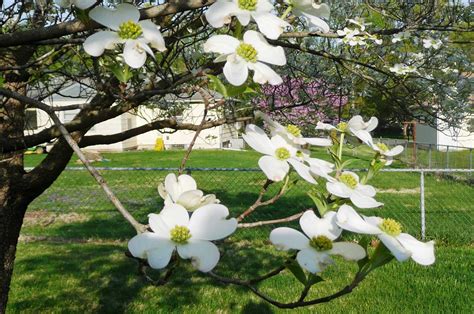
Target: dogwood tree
column 126, row 54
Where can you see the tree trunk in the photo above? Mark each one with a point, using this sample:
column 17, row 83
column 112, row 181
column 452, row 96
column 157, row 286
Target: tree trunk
column 12, row 211
column 13, row 202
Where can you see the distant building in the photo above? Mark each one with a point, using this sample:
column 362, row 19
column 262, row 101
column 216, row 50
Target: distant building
column 224, row 136
column 443, row 136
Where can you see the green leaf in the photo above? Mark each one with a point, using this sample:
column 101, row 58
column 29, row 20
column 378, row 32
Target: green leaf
column 381, row 256
column 297, row 271
column 217, row 85
column 364, row 242
column 314, row 279
column 2, row 81
column 122, row 73
column 348, row 162
column 319, row 202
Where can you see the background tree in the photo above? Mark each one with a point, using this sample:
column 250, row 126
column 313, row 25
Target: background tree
column 41, row 53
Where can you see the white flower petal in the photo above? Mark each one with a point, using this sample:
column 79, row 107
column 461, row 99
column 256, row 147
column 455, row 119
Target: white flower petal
column 204, row 254
column 171, row 186
column 243, row 17
column 186, row 183
column 422, row 253
column 235, row 70
column 400, row 253
column 363, row 201
column 174, row 215
column 264, row 74
column 224, row 44
column 350, row 251
column 152, row 34
column 160, row 257
column 190, row 199
column 220, row 13
column 209, row 223
column 270, row 25
column 256, row 138
column 113, row 18
column 275, row 170
column 84, row 4
column 134, row 53
column 318, row 141
column 371, row 124
column 158, row 225
column 394, row 151
column 338, row 189
column 347, row 218
column 313, row 261
column 362, row 135
column 266, row 52
column 316, row 22
column 366, row 189
column 95, row 44
column 314, row 226
column 141, row 243
column 287, row 238
column 324, row 126
column 302, row 170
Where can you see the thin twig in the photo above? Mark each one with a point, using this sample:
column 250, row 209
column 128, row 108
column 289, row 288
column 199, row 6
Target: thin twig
column 258, row 203
column 270, row 222
column 205, row 97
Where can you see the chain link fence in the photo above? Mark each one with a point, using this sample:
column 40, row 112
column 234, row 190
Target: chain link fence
column 430, row 204
column 433, row 156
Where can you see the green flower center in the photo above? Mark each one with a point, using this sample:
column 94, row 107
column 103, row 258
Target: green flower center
column 348, row 179
column 282, row 153
column 247, row 52
column 342, row 126
column 391, row 227
column 293, row 130
column 129, row 30
column 249, row 5
column 180, row 234
column 382, row 147
column 321, row 243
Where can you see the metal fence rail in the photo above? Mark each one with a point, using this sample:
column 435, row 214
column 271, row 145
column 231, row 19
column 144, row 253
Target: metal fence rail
column 430, row 203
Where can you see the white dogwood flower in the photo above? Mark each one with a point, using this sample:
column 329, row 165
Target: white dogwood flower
column 432, row 43
column 126, row 29
column 221, row 11
column 191, row 237
column 400, row 37
column 320, row 168
column 312, row 12
column 250, row 54
column 389, row 231
column 353, row 37
column 81, row 4
column 402, row 69
column 183, row 191
column 292, row 132
column 385, row 151
column 355, row 126
column 316, row 244
column 279, row 154
column 347, row 185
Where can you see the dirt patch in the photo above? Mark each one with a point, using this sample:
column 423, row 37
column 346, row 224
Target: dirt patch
column 28, row 239
column 44, row 218
column 401, row 191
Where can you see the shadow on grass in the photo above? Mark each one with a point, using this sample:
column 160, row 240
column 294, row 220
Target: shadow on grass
column 99, row 278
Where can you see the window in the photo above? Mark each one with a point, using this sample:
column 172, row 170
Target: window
column 31, row 119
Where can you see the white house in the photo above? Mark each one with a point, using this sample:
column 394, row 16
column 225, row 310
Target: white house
column 190, row 110
column 443, row 136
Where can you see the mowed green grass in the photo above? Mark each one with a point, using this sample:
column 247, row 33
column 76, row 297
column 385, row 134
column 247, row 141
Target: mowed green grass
column 61, row 275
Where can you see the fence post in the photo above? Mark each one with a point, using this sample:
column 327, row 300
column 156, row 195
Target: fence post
column 447, row 157
column 429, row 157
column 422, row 204
column 470, row 159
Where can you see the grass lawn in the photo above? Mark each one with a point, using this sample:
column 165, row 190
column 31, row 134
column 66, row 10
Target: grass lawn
column 62, row 274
